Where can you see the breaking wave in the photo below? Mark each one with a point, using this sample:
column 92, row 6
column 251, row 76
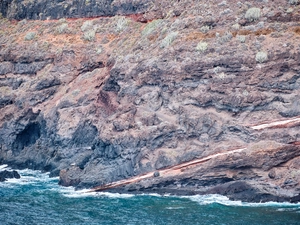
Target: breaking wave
column 223, row 200
column 39, row 179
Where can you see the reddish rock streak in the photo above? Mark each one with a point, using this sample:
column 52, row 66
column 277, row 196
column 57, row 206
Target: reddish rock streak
column 164, row 172
column 278, row 124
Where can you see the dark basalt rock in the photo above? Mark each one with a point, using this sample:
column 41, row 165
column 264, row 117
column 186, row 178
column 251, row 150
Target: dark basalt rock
column 29, row 67
column 156, row 174
column 9, row 174
column 69, row 177
column 6, row 100
column 43, row 9
column 27, row 137
column 47, row 83
column 6, row 67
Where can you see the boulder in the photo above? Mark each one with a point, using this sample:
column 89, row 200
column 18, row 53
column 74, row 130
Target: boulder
column 6, row 174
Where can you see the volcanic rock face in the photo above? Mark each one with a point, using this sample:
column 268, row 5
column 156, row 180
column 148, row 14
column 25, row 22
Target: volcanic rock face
column 110, row 98
column 56, row 9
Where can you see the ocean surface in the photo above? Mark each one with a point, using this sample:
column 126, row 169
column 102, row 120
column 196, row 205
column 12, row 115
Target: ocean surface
column 37, row 199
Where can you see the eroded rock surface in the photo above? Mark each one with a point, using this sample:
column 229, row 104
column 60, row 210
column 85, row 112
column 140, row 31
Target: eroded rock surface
column 99, row 100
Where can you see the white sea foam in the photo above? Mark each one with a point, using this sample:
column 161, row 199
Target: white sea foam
column 28, row 177
column 175, row 207
column 33, row 176
column 71, row 193
column 201, row 199
column 288, row 210
column 115, row 195
column 151, row 194
column 223, row 200
column 3, row 167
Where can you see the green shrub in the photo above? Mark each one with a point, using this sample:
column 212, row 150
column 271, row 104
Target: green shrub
column 121, row 24
column 22, row 22
column 62, row 28
column 87, row 25
column 261, row 57
column 204, row 29
column 202, row 46
column 252, row 14
column 235, row 26
column 89, row 35
column 241, row 38
column 29, row 36
column 168, row 39
column 151, row 27
column 225, row 38
column 62, row 20
column 99, row 50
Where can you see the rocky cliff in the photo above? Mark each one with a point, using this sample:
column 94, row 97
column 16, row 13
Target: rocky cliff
column 143, row 87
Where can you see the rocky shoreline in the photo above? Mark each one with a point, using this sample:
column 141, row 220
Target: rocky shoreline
column 101, row 92
column 235, row 191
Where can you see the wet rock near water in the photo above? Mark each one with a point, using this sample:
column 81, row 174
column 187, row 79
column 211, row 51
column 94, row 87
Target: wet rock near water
column 7, row 174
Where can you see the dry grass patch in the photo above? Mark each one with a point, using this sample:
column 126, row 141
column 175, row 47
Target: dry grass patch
column 199, row 36
column 297, row 30
column 111, row 37
column 264, row 31
column 194, row 36
column 244, row 32
column 152, row 37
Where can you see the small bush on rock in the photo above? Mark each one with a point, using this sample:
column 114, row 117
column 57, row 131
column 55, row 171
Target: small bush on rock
column 261, row 57
column 151, row 27
column 225, row 38
column 241, row 38
column 236, row 26
column 99, row 50
column 62, row 28
column 121, row 24
column 168, row 39
column 204, row 29
column 202, row 46
column 87, row 25
column 62, row 20
column 22, row 22
column 29, row 36
column 89, row 35
column 252, row 14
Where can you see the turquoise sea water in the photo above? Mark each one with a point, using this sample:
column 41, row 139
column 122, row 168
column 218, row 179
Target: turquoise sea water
column 37, row 199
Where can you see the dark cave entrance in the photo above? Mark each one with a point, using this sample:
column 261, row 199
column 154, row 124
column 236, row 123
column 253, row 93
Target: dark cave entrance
column 27, row 137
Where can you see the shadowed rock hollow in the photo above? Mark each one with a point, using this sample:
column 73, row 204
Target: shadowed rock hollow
column 135, row 87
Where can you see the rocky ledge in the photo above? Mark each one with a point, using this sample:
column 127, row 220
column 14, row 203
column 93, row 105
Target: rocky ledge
column 173, row 97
